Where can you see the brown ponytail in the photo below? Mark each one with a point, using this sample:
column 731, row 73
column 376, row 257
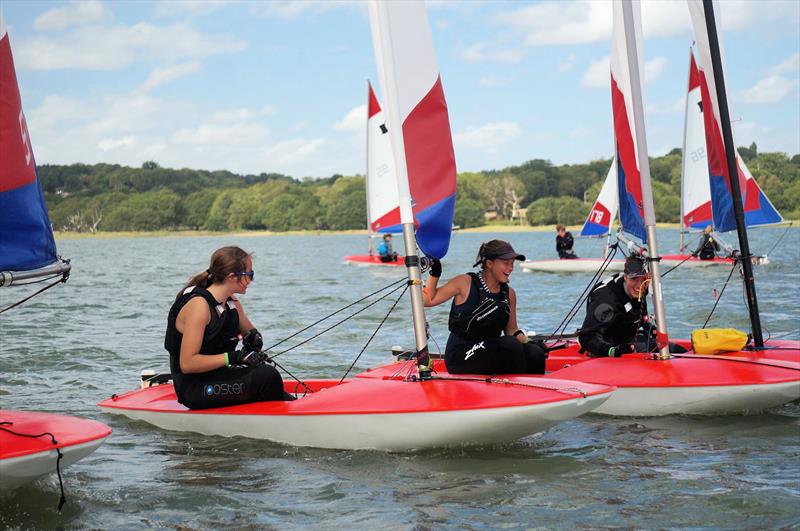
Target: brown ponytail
column 489, row 248
column 224, row 261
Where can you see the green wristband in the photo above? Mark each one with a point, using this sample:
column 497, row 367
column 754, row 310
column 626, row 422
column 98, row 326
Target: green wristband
column 227, row 363
column 611, row 352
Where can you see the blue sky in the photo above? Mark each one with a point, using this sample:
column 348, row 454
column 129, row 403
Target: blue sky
column 281, row 86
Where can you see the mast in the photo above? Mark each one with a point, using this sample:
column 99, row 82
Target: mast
column 733, row 172
column 382, row 39
column 683, row 152
column 632, row 27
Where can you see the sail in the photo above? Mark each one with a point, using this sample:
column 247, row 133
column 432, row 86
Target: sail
column 382, row 200
column 758, row 209
column 695, row 189
column 604, row 210
column 410, row 79
column 629, row 184
column 26, row 238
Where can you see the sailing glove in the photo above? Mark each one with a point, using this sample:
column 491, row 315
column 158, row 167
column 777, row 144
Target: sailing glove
column 619, row 350
column 243, row 357
column 253, row 340
column 436, row 267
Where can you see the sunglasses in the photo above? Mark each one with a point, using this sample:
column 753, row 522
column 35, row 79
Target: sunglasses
column 250, row 274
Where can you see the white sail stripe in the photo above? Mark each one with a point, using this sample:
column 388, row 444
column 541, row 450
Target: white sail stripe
column 621, row 73
column 381, row 174
column 696, row 189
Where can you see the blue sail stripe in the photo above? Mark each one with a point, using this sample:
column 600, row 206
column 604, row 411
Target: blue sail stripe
column 629, row 217
column 435, row 224
column 26, row 239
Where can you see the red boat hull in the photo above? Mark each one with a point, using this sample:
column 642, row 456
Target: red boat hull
column 372, row 259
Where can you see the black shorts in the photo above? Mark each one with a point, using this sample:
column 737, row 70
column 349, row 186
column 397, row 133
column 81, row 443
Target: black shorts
column 497, row 355
column 229, row 386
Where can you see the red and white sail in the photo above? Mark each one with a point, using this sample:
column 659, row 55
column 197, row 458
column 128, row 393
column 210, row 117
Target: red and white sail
column 604, row 210
column 383, row 203
column 412, row 89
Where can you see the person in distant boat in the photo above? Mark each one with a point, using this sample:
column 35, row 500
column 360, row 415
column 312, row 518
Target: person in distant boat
column 615, row 311
column 484, row 337
column 204, row 326
column 711, row 246
column 564, row 242
column 385, row 249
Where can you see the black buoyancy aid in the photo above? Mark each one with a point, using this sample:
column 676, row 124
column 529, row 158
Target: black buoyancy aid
column 628, row 312
column 483, row 315
column 221, row 333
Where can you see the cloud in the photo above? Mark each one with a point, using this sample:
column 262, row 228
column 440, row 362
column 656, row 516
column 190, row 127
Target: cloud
column 488, row 137
column 566, row 64
column 114, row 47
column 293, row 151
column 598, row 75
column 677, row 105
column 160, row 75
column 108, row 144
column 485, row 51
column 292, row 9
column 190, row 8
column 492, row 81
column 550, row 23
column 791, row 64
column 78, row 13
column 772, row 89
column 355, row 121
column 225, row 134
column 579, row 132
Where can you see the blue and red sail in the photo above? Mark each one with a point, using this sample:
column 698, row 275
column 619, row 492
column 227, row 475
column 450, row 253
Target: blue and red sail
column 26, row 237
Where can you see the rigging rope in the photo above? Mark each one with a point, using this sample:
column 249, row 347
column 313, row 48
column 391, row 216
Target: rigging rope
column 61, row 280
column 53, row 440
column 720, row 293
column 779, row 239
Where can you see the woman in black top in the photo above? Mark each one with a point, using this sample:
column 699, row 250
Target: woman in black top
column 204, row 327
column 484, row 338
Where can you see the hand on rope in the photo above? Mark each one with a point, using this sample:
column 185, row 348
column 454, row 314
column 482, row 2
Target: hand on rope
column 245, row 357
column 253, row 340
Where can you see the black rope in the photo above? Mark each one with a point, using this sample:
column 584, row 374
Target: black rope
column 720, row 293
column 667, row 272
column 295, row 378
column 53, row 440
column 334, row 325
column 585, row 293
column 334, row 313
column 374, row 333
column 779, row 239
column 63, row 279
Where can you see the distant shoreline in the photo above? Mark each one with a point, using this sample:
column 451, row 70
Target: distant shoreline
column 62, row 235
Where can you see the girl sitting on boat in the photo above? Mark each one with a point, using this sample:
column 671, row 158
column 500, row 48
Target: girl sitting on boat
column 203, row 330
column 484, row 338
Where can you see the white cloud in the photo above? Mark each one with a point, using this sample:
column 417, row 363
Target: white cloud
column 772, row 89
column 108, row 144
column 214, row 134
column 598, row 75
column 55, row 109
column 485, row 51
column 574, row 22
column 114, row 47
column 355, row 121
column 566, row 64
column 677, row 105
column 160, row 75
column 76, row 13
column 493, row 81
column 654, row 68
column 292, row 151
column 190, row 8
column 292, row 9
column 791, row 64
column 488, row 137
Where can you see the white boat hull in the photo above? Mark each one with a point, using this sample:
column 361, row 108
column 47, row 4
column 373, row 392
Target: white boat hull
column 575, row 265
column 24, row 469
column 387, row 432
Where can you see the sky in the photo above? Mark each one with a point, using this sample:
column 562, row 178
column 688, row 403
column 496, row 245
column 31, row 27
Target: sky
column 256, row 87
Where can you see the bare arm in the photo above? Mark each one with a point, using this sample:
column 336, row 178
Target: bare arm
column 511, row 327
column 191, row 322
column 245, row 325
column 457, row 287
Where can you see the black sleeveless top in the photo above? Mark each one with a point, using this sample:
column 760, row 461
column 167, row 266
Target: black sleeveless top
column 483, row 315
column 221, row 333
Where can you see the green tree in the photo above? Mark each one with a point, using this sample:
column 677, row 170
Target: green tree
column 468, row 213
column 197, row 207
column 220, row 210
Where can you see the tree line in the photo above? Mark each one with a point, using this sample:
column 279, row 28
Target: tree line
column 110, row 197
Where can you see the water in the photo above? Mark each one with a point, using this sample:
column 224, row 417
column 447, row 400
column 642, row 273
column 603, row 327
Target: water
column 69, row 348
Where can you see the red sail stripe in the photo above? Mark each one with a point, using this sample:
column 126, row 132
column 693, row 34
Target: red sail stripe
column 694, row 73
column 625, row 147
column 429, row 150
column 374, row 107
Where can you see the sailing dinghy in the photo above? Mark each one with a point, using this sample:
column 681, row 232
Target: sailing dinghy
column 32, row 444
column 399, row 411
column 757, row 378
column 383, row 204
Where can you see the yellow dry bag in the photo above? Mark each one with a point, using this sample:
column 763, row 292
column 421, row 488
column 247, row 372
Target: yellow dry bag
column 718, row 340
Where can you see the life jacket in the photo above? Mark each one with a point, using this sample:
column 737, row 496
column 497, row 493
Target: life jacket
column 483, row 315
column 625, row 315
column 221, row 333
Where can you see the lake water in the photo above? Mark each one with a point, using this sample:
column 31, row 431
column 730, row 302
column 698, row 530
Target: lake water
column 76, row 344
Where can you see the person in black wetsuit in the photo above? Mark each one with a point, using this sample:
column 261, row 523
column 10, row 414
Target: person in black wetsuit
column 564, row 243
column 203, row 331
column 711, row 245
column 484, row 338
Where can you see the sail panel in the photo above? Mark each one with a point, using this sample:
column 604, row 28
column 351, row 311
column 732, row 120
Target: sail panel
column 413, row 90
column 383, row 200
column 696, row 192
column 26, row 238
column 604, row 210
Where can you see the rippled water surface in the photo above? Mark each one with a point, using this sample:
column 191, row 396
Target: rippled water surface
column 69, row 348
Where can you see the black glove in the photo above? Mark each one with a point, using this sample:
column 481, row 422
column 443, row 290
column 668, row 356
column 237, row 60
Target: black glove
column 619, row 350
column 252, row 341
column 436, row 268
column 243, row 357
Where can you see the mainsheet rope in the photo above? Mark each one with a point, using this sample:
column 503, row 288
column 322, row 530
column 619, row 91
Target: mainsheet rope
column 64, row 277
